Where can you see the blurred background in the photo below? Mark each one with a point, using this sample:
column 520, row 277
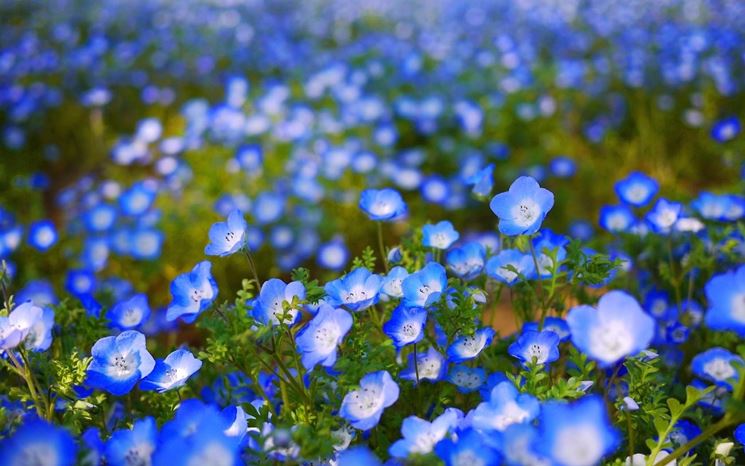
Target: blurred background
column 134, row 125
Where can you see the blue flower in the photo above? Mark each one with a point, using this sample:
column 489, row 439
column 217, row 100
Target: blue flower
column 356, row 290
column 726, row 295
column 227, row 237
column 274, row 296
column 208, row 445
column 138, row 198
column 467, row 261
column 740, row 434
column 506, row 406
column 318, row 341
column 637, row 189
column 719, row 366
column 357, row 455
column 99, row 218
column 439, row 236
column 364, row 406
column 430, row 365
column 425, row 287
column 555, row 324
column 382, row 204
column 663, row 216
column 406, row 325
column 119, row 362
column 333, row 255
column 533, row 347
column 616, row 219
column 38, row 442
column 562, row 166
column 470, row 346
column 519, row 443
column 497, row 266
column 145, row 243
column 393, row 281
column 482, row 181
column 421, row 436
column 470, row 448
column 466, row 379
column 133, row 446
column 546, row 244
column 521, row 210
column 171, row 372
column 250, row 158
column 725, row 129
column 42, row 235
column 192, row 292
column 616, row 329
column 130, row 313
column 28, row 324
column 561, row 424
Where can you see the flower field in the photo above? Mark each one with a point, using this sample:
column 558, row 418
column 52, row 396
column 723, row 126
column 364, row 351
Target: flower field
column 325, row 232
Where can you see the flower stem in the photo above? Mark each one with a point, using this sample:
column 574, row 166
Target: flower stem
column 252, row 264
column 383, row 255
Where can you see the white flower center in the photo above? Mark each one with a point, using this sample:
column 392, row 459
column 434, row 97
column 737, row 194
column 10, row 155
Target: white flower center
column 720, row 370
column 326, row 337
column 467, row 458
column 611, row 340
column 37, row 454
column 365, row 402
column 139, row 455
column 123, row 365
column 636, row 193
column 428, row 368
column 525, row 212
column 738, row 307
column 578, row 446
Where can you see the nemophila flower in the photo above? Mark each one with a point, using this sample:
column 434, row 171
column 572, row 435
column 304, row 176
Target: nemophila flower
column 467, row 347
column 482, row 181
column 171, row 372
column 561, row 424
column 393, row 281
column 42, row 235
column 425, row 287
column 382, row 204
column 616, row 219
column 637, row 189
column 358, row 455
column 36, row 442
column 99, row 218
column 138, row 199
column 518, row 445
column 466, row 379
column 356, row 290
column 711, row 206
column 506, row 406
column 554, row 324
column 430, row 365
column 466, row 261
column 130, row 313
column 726, row 296
column 333, row 255
column 275, row 295
column 420, row 436
column 318, row 341
column 439, row 236
column 145, row 243
column 35, row 324
column 127, row 447
column 657, row 304
column 562, row 167
column 469, row 448
column 739, row 434
column 364, row 406
column 725, row 129
column 536, row 347
column 500, row 267
column 250, row 158
column 436, row 190
column 209, row 445
column 549, row 247
column 406, row 325
column 119, row 362
column 521, row 210
column 616, row 329
column 719, row 366
column 268, row 207
column 227, row 237
column 663, row 216
column 192, row 292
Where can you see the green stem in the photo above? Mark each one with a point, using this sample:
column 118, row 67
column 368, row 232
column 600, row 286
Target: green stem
column 28, row 378
column 252, row 264
column 538, row 278
column 724, row 423
column 383, row 255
